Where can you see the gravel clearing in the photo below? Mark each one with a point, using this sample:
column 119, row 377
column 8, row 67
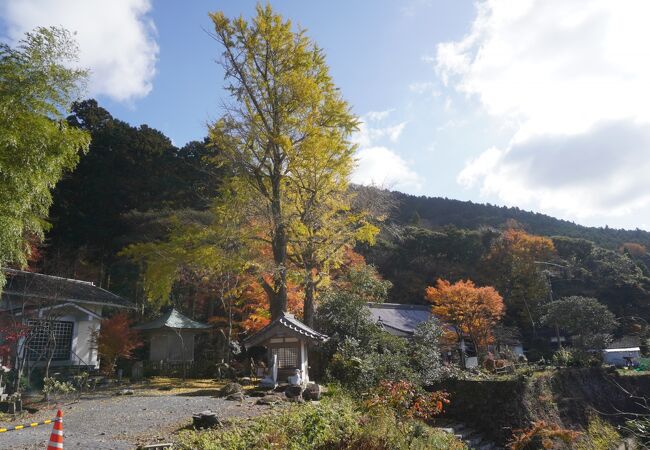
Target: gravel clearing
column 122, row 422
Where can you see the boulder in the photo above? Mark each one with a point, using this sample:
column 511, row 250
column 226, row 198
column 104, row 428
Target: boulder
column 267, row 384
column 229, row 389
column 205, row 419
column 313, row 392
column 270, row 399
column 237, row 396
column 293, row 391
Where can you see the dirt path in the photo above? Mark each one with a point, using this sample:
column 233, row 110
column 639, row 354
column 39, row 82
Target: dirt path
column 122, row 422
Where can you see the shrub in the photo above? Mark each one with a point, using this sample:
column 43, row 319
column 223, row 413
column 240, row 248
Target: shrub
column 360, row 353
column 600, row 435
column 425, row 354
column 297, row 427
column 407, row 400
column 562, row 357
column 360, row 368
column 336, row 423
column 53, row 388
column 644, row 364
column 115, row 339
column 542, row 435
column 576, row 358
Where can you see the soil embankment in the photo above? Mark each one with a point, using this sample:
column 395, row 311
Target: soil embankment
column 564, row 397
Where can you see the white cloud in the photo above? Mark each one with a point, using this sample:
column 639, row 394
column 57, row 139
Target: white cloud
column 571, row 75
column 367, row 135
column 378, row 115
column 116, row 39
column 377, row 164
column 603, row 172
column 425, row 87
column 380, row 166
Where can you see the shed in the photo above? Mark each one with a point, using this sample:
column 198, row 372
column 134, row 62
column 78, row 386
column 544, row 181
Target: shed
column 622, row 352
column 171, row 336
column 287, row 341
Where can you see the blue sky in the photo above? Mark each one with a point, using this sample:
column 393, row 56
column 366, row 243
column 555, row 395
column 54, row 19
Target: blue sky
column 522, row 103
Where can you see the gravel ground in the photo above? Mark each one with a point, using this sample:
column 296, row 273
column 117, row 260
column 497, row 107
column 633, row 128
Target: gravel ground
column 122, row 422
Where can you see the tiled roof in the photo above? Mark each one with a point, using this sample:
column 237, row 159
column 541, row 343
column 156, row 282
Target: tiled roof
column 628, row 341
column 173, row 319
column 23, row 285
column 286, row 322
column 397, row 318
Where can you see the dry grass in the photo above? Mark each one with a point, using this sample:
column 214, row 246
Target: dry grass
column 178, row 386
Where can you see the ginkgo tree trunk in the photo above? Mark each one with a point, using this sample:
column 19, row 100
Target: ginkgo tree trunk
column 283, row 106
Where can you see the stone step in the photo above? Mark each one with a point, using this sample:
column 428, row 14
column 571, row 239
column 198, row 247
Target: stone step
column 472, row 438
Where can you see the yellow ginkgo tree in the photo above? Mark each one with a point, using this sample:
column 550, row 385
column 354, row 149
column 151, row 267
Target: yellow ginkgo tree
column 285, row 134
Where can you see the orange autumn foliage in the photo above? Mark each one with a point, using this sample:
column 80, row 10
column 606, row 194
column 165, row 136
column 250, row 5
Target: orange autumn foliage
column 519, row 244
column 115, row 339
column 256, row 312
column 634, row 249
column 472, row 310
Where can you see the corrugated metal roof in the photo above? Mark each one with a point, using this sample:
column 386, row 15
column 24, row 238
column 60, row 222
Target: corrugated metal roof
column 286, row 322
column 23, row 285
column 398, row 318
column 173, row 319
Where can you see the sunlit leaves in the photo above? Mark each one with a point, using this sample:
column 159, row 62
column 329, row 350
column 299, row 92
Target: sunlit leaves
column 37, row 146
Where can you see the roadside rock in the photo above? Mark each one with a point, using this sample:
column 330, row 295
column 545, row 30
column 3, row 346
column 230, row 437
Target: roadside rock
column 237, row 396
column 230, row 389
column 270, row 399
column 313, row 392
column 205, row 419
column 293, row 391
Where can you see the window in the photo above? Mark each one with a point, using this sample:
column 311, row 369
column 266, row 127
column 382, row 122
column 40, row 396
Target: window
column 287, row 357
column 49, row 337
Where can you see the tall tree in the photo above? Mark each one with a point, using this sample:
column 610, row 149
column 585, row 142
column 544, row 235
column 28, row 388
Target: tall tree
column 122, row 191
column 284, row 110
column 588, row 321
column 326, row 225
column 471, row 310
column 37, row 146
column 516, row 263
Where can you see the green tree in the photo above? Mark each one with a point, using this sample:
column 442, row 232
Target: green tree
column 325, row 223
column 343, row 311
column 37, row 146
column 587, row 320
column 516, row 262
column 123, row 191
column 285, row 116
column 211, row 247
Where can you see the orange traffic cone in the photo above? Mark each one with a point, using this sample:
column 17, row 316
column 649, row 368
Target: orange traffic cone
column 56, row 438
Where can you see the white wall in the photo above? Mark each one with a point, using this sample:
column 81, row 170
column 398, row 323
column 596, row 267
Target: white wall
column 617, row 357
column 83, row 349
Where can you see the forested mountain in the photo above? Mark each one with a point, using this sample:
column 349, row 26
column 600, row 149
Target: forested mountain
column 530, row 258
column 121, row 192
column 436, row 212
column 133, row 179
